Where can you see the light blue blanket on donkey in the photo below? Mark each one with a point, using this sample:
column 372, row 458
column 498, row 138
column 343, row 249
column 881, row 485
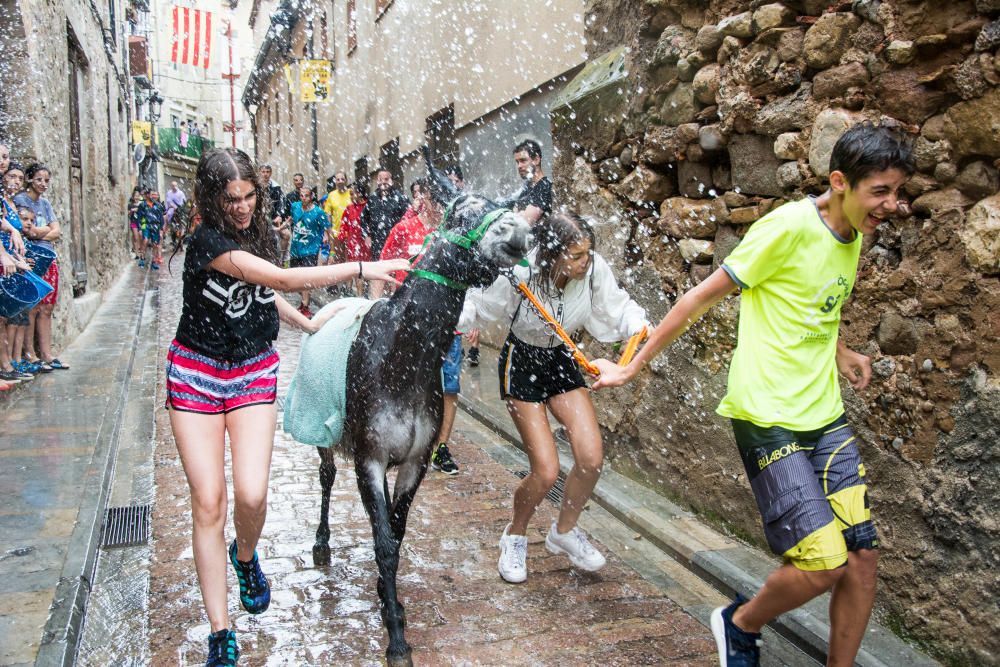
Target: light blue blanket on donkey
column 317, row 397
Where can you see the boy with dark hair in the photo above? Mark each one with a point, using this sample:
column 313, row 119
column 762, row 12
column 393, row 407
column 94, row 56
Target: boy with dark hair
column 795, row 268
column 309, row 227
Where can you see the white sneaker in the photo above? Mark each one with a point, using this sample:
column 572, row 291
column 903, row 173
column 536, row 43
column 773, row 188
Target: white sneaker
column 513, row 556
column 575, row 545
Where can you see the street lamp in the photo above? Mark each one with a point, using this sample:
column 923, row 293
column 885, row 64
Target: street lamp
column 155, row 105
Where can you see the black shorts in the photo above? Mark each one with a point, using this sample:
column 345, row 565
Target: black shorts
column 296, row 262
column 536, row 374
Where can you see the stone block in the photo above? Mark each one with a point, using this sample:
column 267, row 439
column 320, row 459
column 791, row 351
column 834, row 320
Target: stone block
column 828, row 39
column 903, row 95
column 696, row 251
column 726, row 240
column 790, row 42
column 645, row 185
column 900, row 52
column 937, row 202
column 829, row 125
column 739, row 26
column 754, row 164
column 789, row 146
column 973, row 127
column 794, row 111
column 896, row 334
column 978, row 179
column 709, row 39
column 694, row 179
column 706, row 83
column 680, row 106
column 744, row 215
column 770, row 16
column 836, row 80
column 684, row 217
column 711, row 138
column 661, row 145
column 981, row 236
column 789, row 176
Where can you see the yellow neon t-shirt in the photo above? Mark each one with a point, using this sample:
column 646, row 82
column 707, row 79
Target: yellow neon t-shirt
column 334, row 206
column 795, row 274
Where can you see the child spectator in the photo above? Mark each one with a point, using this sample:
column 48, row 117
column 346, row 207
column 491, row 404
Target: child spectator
column 151, row 213
column 46, row 231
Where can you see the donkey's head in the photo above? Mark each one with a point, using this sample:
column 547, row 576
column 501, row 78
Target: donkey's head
column 489, row 239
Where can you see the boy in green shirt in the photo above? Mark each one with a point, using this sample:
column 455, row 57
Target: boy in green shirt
column 795, row 268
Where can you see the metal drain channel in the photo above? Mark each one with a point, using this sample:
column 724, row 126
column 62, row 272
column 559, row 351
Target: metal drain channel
column 555, row 494
column 126, row 526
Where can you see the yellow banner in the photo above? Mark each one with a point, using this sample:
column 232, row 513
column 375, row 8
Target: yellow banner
column 142, row 131
column 314, row 77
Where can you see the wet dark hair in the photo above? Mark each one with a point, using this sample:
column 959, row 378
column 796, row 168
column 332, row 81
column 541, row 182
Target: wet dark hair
column 299, row 173
column 217, row 169
column 867, row 148
column 34, row 168
column 553, row 235
column 531, row 147
column 455, row 171
column 360, row 187
column 12, row 166
column 418, row 183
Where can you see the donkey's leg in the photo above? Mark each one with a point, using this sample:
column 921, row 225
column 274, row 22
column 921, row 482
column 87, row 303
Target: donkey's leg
column 371, row 484
column 327, row 474
column 408, row 480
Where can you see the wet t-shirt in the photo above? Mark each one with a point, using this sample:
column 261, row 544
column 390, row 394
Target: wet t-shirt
column 223, row 317
column 535, row 194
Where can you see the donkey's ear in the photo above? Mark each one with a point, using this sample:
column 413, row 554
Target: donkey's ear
column 442, row 189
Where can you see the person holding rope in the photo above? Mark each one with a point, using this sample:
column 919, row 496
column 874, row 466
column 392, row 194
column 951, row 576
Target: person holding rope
column 222, row 372
column 538, row 371
column 795, row 268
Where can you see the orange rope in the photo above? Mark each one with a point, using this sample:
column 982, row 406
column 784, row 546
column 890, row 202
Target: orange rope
column 630, row 348
column 633, row 346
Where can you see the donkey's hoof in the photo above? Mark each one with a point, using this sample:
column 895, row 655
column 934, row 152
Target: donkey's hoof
column 403, row 659
column 321, row 554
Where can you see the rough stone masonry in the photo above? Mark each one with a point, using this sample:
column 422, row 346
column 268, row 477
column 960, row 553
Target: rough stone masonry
column 726, row 109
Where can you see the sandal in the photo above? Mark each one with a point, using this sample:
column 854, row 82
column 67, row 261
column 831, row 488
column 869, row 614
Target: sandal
column 55, row 364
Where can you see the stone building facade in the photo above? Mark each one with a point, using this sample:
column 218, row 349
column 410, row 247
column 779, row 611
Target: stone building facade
column 64, row 101
column 472, row 80
column 691, row 121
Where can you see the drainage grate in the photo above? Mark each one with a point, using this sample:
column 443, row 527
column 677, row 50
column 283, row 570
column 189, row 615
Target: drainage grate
column 555, row 494
column 126, row 526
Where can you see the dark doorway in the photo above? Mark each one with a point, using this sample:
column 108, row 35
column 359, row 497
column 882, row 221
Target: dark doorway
column 361, row 176
column 77, row 221
column 441, row 139
column 389, row 159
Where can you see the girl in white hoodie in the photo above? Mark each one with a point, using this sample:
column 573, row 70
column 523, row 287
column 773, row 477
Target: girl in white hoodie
column 537, row 370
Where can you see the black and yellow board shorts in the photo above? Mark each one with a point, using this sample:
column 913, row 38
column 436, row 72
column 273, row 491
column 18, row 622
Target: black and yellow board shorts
column 810, row 490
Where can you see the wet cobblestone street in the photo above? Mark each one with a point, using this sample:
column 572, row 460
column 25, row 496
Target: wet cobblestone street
column 458, row 609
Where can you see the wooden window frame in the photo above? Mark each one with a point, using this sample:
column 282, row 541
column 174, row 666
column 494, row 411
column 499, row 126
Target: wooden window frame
column 381, row 7
column 352, row 27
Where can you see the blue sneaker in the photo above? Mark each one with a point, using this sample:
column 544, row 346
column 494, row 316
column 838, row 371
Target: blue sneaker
column 736, row 647
column 223, row 650
column 255, row 593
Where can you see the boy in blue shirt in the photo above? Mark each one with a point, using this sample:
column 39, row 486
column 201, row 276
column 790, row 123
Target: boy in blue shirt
column 309, row 226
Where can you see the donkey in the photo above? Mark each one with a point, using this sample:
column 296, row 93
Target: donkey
column 394, row 394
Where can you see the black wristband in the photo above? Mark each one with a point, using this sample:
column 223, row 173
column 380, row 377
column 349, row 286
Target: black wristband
column 361, row 272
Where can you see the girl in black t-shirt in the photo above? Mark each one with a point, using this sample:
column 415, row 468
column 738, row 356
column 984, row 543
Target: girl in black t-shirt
column 222, row 374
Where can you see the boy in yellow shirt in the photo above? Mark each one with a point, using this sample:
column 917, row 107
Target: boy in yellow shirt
column 795, row 268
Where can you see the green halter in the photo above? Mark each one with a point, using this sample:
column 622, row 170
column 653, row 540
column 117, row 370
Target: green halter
column 466, row 241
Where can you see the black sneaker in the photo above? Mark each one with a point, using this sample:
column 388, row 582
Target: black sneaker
column 222, row 649
column 255, row 593
column 474, row 356
column 441, row 460
column 737, row 648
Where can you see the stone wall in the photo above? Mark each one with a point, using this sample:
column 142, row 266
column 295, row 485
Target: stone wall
column 728, row 109
column 34, row 119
